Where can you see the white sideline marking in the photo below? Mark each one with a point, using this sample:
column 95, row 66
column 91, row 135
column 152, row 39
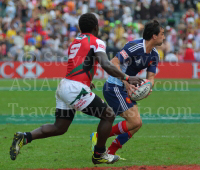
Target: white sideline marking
column 96, row 120
column 78, row 137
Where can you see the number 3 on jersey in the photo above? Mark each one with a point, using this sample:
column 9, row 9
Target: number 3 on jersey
column 73, row 50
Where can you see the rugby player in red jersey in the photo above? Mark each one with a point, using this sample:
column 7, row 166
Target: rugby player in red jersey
column 74, row 93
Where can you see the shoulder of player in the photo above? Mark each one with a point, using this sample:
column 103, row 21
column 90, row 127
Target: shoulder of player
column 98, row 44
column 134, row 46
column 95, row 40
column 155, row 51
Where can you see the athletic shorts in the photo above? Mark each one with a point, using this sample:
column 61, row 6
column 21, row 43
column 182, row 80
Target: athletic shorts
column 72, row 96
column 117, row 98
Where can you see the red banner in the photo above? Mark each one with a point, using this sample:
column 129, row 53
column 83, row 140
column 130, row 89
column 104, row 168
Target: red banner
column 58, row 70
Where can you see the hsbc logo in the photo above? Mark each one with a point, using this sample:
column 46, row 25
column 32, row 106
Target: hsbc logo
column 24, row 70
column 29, row 70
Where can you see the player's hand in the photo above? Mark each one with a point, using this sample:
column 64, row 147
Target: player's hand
column 92, row 86
column 136, row 81
column 130, row 88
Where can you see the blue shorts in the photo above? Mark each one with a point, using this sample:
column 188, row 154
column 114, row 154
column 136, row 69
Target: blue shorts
column 117, row 98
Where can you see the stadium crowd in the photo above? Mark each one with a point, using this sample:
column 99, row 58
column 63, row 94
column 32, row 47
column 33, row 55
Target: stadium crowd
column 42, row 30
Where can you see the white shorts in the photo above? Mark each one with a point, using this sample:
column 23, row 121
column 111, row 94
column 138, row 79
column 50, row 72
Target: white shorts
column 73, row 95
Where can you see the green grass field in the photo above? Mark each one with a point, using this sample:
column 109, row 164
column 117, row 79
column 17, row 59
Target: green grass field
column 168, row 143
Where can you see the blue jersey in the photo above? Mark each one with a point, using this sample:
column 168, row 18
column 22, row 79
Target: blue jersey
column 133, row 58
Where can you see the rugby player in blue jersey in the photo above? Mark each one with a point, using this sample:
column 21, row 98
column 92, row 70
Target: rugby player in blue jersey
column 131, row 59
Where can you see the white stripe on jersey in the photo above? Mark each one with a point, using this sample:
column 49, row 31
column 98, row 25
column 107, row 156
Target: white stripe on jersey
column 120, row 98
column 116, row 92
column 154, row 49
column 135, row 47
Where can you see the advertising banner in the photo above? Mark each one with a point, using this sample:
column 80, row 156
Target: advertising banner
column 58, row 70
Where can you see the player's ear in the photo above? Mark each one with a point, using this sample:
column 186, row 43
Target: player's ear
column 154, row 36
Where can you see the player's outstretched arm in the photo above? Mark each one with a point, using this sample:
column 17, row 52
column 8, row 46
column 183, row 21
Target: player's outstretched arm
column 150, row 76
column 111, row 69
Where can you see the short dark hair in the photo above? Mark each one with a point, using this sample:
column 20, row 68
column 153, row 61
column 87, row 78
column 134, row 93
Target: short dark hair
column 87, row 22
column 150, row 29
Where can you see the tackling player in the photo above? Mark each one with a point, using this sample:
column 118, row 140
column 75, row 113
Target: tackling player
column 74, row 93
column 131, row 59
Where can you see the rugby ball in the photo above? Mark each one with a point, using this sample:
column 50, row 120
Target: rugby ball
column 143, row 91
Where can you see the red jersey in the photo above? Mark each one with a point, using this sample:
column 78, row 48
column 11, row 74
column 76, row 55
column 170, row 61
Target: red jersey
column 81, row 65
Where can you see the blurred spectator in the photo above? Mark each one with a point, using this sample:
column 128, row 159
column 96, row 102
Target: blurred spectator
column 11, row 10
column 19, row 39
column 16, row 53
column 126, row 17
column 100, row 5
column 6, row 22
column 43, row 30
column 171, row 57
column 10, row 34
column 2, row 50
column 122, row 41
column 92, row 4
column 71, row 5
column 119, row 30
column 189, row 53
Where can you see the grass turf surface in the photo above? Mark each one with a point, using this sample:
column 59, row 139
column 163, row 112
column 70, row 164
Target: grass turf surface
column 154, row 144
column 168, row 97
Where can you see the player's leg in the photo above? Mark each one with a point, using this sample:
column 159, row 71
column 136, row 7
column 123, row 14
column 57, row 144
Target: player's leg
column 59, row 127
column 64, row 116
column 82, row 99
column 133, row 123
column 100, row 110
column 119, row 101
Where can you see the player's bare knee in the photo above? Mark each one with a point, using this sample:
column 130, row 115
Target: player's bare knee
column 135, row 123
column 138, row 123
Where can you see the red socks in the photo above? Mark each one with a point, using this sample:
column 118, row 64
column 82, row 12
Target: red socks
column 119, row 128
column 114, row 147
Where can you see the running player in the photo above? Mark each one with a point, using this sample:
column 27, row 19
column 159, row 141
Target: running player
column 131, row 59
column 74, row 93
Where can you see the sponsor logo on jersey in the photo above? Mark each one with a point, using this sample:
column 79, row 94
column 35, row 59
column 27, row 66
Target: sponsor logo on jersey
column 80, row 103
column 128, row 100
column 138, row 61
column 124, row 54
column 150, row 63
column 102, row 46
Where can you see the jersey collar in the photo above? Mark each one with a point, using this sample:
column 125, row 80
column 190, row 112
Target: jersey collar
column 144, row 47
column 87, row 34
